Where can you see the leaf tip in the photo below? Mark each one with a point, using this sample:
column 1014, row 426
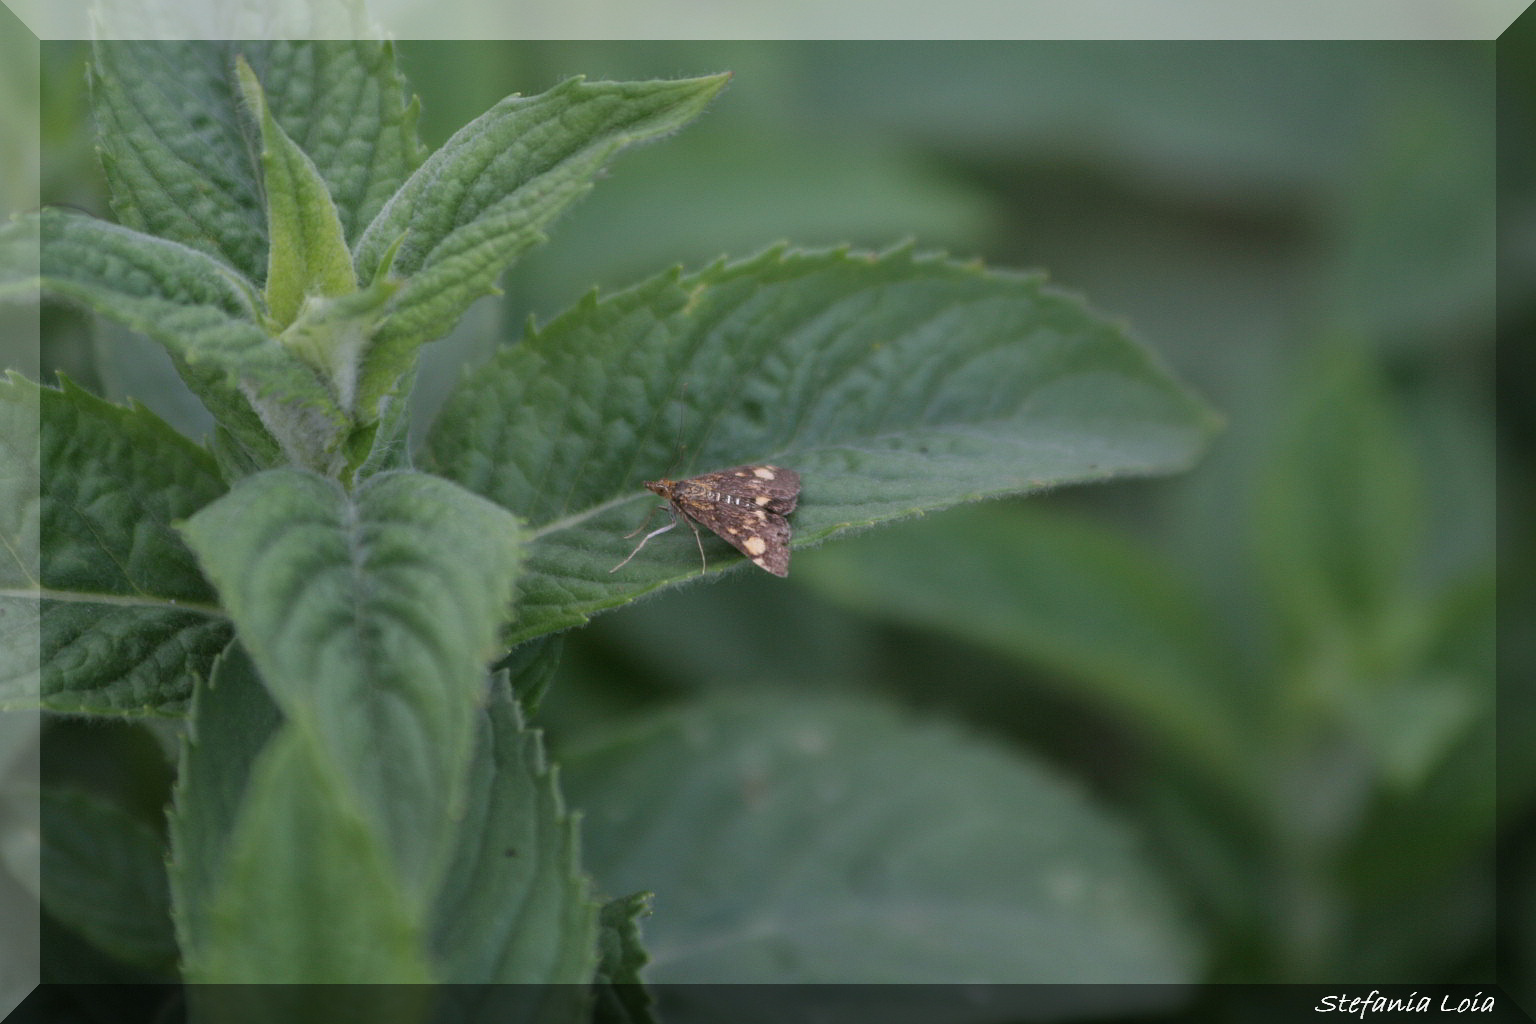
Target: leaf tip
column 250, row 87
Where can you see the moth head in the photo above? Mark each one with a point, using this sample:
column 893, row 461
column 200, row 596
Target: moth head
column 662, row 487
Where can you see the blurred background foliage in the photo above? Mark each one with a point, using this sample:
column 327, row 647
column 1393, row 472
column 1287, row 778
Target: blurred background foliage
column 1278, row 667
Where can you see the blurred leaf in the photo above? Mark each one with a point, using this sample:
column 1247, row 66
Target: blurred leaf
column 486, row 196
column 1093, row 608
column 1410, row 726
column 832, row 841
column 894, row 384
column 1455, row 432
column 1340, row 509
column 114, row 572
column 1209, row 121
column 103, row 876
column 1446, row 694
column 1432, row 737
column 515, row 908
column 745, row 182
column 22, row 117
column 1414, row 256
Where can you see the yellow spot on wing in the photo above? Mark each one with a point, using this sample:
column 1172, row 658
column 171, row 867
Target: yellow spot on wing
column 763, row 472
column 755, row 545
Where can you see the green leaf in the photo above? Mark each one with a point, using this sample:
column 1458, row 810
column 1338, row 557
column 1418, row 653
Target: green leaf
column 307, row 254
column 103, row 876
column 364, row 156
column 621, row 995
column 128, row 621
column 202, row 314
column 1412, row 725
column 370, row 617
column 308, row 893
column 515, row 908
column 485, row 197
column 530, row 668
column 86, row 259
column 270, row 883
column 804, row 840
column 1114, row 621
column 1339, row 515
column 20, row 515
column 331, row 334
column 176, row 149
column 231, row 719
column 894, row 384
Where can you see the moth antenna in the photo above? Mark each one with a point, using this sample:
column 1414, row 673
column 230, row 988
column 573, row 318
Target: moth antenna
column 677, row 444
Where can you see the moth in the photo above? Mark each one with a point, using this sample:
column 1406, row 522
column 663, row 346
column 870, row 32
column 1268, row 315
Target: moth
column 745, row 506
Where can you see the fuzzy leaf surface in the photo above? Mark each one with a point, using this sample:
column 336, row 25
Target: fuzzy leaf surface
column 268, row 886
column 128, row 621
column 894, row 384
column 796, row 840
column 346, row 105
column 477, row 203
column 178, row 148
column 515, row 908
column 20, row 515
column 370, row 617
column 308, row 252
column 308, row 893
column 231, row 719
column 202, row 314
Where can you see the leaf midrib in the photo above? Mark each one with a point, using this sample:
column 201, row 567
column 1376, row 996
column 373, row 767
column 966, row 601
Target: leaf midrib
column 121, row 600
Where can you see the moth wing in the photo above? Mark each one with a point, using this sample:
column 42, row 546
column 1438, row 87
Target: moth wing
column 779, row 485
column 764, row 541
column 761, row 535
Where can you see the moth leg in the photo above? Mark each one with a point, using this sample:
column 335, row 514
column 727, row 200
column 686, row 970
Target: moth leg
column 670, row 526
column 703, row 563
column 645, row 522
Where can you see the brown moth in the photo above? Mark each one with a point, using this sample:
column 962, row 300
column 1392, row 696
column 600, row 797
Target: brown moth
column 745, row 506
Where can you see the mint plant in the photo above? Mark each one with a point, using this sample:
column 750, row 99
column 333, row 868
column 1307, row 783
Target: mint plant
column 353, row 636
